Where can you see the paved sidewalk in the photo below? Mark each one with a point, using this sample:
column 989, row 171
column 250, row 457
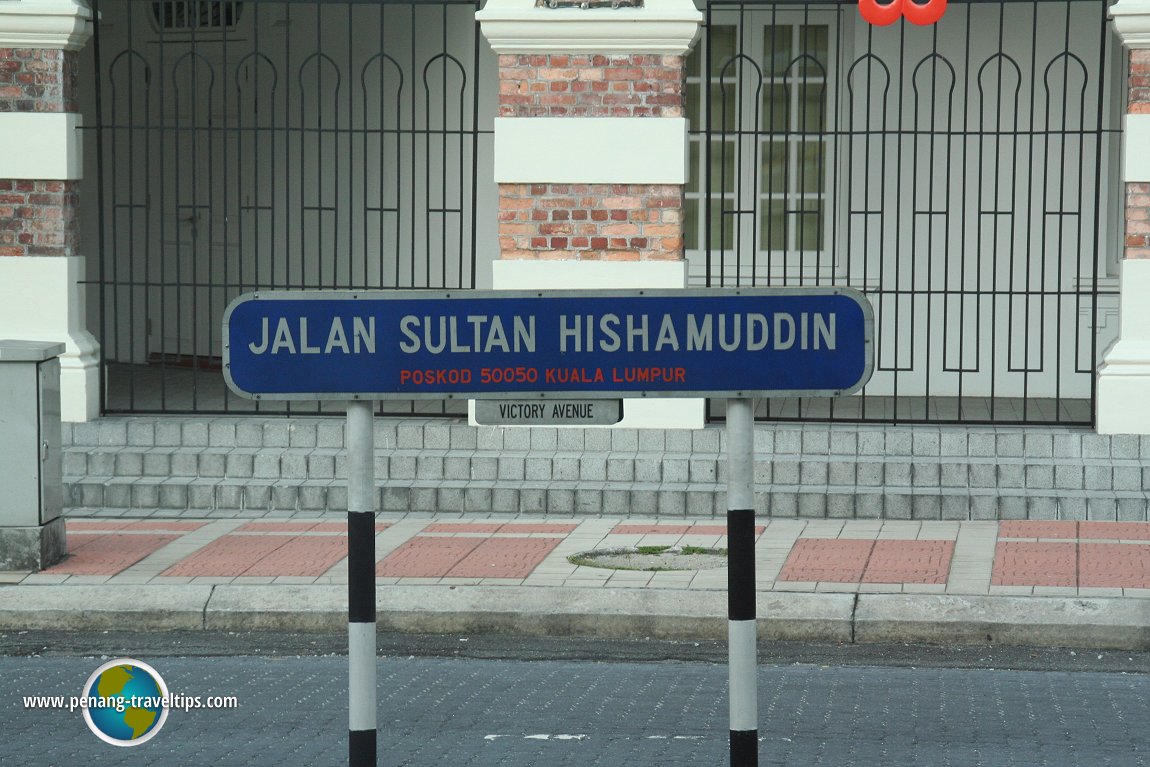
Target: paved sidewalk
column 1023, row 581
column 1098, row 559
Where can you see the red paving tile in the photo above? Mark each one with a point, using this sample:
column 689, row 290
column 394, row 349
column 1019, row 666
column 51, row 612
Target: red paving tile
column 463, row 527
column 260, row 526
column 228, row 556
column 337, row 527
column 79, row 538
column 1021, row 563
column 893, row 561
column 1037, row 529
column 427, row 557
column 1114, row 565
column 1127, row 531
column 108, row 553
column 710, row 530
column 308, row 555
column 836, row 560
column 85, row 524
column 504, row 558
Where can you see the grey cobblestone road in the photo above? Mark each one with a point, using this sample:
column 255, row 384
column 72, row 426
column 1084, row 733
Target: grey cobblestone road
column 458, row 712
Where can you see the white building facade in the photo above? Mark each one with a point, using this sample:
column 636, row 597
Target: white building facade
column 982, row 180
column 970, row 183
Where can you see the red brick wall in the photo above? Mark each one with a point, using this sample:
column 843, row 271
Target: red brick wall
column 556, row 85
column 622, row 222
column 38, row 218
column 1138, row 194
column 1138, row 95
column 617, row 222
column 37, row 80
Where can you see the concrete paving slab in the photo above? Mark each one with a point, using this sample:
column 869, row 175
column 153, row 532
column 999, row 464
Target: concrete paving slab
column 98, row 607
column 276, row 607
column 1043, row 621
column 552, row 611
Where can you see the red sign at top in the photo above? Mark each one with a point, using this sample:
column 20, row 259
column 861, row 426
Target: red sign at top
column 888, row 13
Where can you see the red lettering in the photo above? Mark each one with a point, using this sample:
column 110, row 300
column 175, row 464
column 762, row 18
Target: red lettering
column 435, row 377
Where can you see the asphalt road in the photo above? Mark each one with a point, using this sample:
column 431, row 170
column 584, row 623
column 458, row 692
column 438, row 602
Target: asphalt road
column 502, row 701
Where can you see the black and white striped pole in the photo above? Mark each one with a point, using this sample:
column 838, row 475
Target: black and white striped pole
column 360, row 443
column 741, row 625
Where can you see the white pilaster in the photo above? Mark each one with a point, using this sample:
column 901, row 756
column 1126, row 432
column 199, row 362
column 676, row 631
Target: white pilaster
column 1124, row 375
column 520, row 26
column 40, row 145
column 1123, row 394
column 42, row 299
column 595, row 150
column 62, row 24
column 1131, row 20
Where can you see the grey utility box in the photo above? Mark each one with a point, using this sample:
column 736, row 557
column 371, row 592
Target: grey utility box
column 31, row 476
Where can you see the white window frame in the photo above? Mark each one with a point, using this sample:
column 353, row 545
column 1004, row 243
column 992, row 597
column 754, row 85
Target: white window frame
column 789, row 265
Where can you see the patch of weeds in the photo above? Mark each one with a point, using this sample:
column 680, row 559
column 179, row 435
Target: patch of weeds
column 658, row 558
column 583, row 561
column 702, row 550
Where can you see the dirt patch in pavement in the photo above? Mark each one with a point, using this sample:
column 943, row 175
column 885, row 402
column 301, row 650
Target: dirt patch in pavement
column 653, row 558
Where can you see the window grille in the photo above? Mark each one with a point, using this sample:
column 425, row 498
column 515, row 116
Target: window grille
column 196, row 14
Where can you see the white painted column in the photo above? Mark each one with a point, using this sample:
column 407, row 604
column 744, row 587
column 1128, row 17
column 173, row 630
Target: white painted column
column 42, row 299
column 591, row 155
column 41, row 270
column 1123, row 395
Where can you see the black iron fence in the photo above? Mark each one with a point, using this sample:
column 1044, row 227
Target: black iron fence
column 963, row 175
column 274, row 145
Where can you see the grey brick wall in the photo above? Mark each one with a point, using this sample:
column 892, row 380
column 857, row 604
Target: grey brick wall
column 274, row 466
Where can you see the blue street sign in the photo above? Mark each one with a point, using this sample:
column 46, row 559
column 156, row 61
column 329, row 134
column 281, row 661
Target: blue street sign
column 578, row 344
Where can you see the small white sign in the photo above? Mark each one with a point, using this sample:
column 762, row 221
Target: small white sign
column 550, row 412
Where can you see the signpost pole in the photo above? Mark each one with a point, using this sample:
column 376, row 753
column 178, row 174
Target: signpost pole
column 741, row 626
column 360, row 443
column 549, row 346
